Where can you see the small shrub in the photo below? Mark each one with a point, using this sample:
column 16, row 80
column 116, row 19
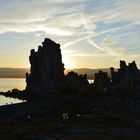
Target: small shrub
column 89, row 91
column 92, row 92
column 66, row 89
column 124, row 92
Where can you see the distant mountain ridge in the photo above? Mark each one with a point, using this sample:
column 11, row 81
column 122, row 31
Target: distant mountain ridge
column 13, row 72
column 90, row 72
column 20, row 72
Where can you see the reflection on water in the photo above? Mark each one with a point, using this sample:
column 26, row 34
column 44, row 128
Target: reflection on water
column 90, row 81
column 6, row 100
column 10, row 83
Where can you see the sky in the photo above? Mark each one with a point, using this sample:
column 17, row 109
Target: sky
column 92, row 33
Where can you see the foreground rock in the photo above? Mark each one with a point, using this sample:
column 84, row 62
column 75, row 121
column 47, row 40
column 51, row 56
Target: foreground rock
column 45, row 119
column 47, row 69
column 102, row 80
column 74, row 79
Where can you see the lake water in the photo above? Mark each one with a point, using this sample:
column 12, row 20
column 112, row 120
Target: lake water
column 11, row 83
column 7, row 100
column 90, row 81
column 8, row 84
column 19, row 83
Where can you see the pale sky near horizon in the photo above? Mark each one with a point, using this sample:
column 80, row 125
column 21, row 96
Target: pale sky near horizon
column 92, row 33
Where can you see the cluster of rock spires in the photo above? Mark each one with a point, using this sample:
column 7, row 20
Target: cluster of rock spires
column 47, row 69
column 76, row 80
column 47, row 72
column 102, row 80
column 126, row 76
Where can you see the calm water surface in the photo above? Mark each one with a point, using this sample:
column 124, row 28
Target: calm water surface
column 8, row 84
column 19, row 83
column 90, row 81
column 7, row 100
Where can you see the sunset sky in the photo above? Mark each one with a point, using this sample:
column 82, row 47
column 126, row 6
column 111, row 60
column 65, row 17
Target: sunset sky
column 92, row 33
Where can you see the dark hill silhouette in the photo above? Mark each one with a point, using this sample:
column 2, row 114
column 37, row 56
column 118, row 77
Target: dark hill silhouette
column 90, row 72
column 13, row 72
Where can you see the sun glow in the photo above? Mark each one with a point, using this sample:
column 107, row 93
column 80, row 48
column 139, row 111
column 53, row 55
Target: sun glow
column 68, row 63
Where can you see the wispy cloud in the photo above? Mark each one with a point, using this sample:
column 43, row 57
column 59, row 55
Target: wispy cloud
column 25, row 28
column 90, row 41
column 102, row 25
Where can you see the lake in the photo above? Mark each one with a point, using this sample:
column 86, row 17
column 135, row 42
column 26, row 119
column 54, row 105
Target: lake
column 8, row 84
column 19, row 83
column 11, row 83
column 7, row 100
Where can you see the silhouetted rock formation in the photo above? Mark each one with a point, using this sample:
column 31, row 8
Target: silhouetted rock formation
column 102, row 80
column 76, row 80
column 127, row 75
column 47, row 69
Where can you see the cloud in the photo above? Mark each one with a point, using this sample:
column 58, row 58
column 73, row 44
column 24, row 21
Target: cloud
column 90, row 41
column 126, row 10
column 100, row 24
column 76, row 53
column 25, row 28
column 109, row 47
column 33, row 16
column 74, row 42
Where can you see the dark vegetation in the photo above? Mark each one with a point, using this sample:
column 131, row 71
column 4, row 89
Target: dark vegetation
column 125, row 92
column 89, row 92
column 110, row 125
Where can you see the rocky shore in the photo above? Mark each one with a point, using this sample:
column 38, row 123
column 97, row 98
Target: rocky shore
column 71, row 117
